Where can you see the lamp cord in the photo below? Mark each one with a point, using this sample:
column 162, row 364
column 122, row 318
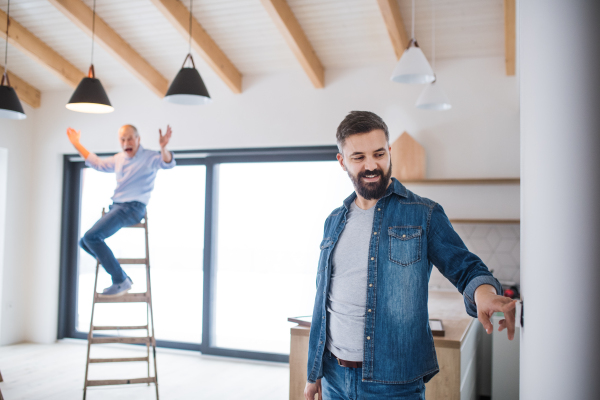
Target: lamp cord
column 433, row 34
column 6, row 48
column 93, row 29
column 190, row 30
column 412, row 26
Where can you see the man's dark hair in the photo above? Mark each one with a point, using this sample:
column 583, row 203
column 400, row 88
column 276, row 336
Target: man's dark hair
column 357, row 122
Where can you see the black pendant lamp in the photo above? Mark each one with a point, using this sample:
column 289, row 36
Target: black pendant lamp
column 188, row 87
column 10, row 106
column 90, row 97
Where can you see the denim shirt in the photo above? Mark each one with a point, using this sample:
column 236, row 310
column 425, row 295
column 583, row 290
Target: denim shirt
column 410, row 234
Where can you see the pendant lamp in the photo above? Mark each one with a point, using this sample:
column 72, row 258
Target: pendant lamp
column 89, row 96
column 10, row 106
column 413, row 67
column 187, row 87
column 433, row 97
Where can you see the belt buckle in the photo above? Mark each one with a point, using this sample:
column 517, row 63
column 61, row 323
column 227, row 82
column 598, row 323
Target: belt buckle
column 339, row 362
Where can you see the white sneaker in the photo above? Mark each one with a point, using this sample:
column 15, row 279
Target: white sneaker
column 118, row 289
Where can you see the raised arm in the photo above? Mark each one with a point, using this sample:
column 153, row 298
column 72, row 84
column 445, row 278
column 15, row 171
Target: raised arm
column 91, row 159
column 74, row 137
column 163, row 141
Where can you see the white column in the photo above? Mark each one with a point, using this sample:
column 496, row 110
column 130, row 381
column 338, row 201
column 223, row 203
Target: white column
column 560, row 198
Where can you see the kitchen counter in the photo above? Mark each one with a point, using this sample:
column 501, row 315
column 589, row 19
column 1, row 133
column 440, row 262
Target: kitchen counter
column 450, row 308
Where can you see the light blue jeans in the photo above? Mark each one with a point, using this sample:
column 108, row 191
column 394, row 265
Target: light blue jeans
column 118, row 216
column 342, row 383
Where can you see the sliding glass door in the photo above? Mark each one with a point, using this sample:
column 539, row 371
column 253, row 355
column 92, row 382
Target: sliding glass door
column 176, row 236
column 270, row 224
column 234, row 246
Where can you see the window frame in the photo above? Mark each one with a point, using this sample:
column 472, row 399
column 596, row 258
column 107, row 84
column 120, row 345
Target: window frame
column 73, row 164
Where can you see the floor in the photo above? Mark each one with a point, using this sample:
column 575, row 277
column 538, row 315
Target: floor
column 56, row 371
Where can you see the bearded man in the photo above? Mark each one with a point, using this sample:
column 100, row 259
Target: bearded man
column 370, row 336
column 135, row 169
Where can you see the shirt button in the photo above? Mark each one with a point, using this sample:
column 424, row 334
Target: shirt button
column 379, row 209
column 369, row 311
column 370, row 285
column 368, row 338
column 374, row 233
column 403, row 235
column 372, row 258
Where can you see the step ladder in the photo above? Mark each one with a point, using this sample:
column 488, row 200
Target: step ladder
column 148, row 340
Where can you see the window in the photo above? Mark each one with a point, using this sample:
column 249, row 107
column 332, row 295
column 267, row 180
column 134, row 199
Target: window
column 270, row 225
column 176, row 236
column 234, row 246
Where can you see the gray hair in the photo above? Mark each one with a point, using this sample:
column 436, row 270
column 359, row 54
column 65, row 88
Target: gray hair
column 132, row 127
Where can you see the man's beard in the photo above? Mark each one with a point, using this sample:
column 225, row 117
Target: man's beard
column 371, row 190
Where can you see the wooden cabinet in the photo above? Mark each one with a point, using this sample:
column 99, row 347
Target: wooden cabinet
column 456, row 352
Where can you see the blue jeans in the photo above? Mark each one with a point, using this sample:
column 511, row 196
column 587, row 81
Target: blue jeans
column 342, row 383
column 118, row 216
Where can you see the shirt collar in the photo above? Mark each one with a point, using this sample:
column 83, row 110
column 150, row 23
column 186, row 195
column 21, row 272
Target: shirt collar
column 395, row 187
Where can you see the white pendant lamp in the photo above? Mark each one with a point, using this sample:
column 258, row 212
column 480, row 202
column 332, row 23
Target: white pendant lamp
column 89, row 96
column 10, row 106
column 413, row 68
column 433, row 97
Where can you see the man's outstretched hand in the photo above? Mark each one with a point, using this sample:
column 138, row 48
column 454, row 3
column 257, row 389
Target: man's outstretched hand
column 164, row 139
column 73, row 135
column 488, row 302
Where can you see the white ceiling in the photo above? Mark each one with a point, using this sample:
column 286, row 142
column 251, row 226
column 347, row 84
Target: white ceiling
column 344, row 34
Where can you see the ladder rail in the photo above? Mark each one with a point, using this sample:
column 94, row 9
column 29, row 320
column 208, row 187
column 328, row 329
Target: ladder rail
column 149, row 306
column 149, row 327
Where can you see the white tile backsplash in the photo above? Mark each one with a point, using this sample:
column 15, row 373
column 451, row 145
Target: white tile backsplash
column 498, row 246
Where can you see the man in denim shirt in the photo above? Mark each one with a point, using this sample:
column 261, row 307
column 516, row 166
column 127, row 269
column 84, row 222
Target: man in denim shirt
column 370, row 335
column 135, row 169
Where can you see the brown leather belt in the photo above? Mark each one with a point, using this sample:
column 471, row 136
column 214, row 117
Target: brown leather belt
column 349, row 364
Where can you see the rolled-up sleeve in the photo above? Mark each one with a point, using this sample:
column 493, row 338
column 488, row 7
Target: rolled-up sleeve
column 447, row 251
column 159, row 163
column 100, row 164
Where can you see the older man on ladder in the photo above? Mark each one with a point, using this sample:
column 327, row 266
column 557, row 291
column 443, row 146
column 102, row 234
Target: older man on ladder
column 135, row 169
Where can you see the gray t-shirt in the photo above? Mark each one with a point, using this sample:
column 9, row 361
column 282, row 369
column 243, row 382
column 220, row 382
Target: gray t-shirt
column 347, row 298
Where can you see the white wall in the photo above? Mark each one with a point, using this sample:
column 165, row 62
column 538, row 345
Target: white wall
column 17, row 138
column 479, row 137
column 560, row 230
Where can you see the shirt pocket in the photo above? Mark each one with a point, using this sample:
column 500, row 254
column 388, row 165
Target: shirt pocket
column 405, row 244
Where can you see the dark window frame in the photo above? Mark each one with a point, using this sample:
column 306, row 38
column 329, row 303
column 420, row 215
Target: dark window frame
column 73, row 165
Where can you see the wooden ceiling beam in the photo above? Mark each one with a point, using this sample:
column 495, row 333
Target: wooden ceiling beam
column 292, row 32
column 394, row 24
column 81, row 15
column 510, row 36
column 27, row 93
column 179, row 16
column 39, row 51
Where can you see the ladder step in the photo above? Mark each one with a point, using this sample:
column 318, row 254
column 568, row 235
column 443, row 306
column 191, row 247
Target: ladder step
column 125, row 298
column 119, row 381
column 121, row 339
column 131, row 260
column 108, row 360
column 117, row 328
column 140, row 225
